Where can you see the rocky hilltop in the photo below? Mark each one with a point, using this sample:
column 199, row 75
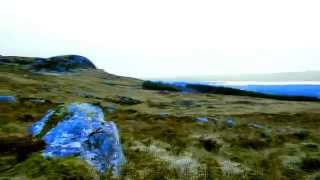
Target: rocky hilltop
column 61, row 118
column 53, row 64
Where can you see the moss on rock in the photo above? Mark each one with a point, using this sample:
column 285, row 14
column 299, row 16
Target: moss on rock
column 59, row 114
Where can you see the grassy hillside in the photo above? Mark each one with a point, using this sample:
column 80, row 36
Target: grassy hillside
column 269, row 139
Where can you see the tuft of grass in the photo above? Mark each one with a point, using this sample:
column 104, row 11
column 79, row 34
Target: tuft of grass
column 311, row 163
column 55, row 168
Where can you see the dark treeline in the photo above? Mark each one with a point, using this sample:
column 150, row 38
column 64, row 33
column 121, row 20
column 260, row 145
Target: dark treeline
column 221, row 90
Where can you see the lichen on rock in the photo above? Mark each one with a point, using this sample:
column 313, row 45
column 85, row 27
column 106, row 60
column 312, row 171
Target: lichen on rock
column 79, row 129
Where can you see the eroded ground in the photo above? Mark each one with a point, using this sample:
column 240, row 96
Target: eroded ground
column 270, row 139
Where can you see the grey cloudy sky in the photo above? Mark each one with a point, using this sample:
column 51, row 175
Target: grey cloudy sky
column 168, row 38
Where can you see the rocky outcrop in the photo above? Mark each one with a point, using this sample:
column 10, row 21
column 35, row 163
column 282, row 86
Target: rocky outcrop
column 79, row 129
column 65, row 63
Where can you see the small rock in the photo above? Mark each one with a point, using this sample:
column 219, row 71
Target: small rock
column 254, row 125
column 8, row 99
column 130, row 111
column 110, row 108
column 186, row 103
column 164, row 114
column 230, row 123
column 34, row 100
column 310, row 145
column 38, row 101
column 202, row 119
column 127, row 100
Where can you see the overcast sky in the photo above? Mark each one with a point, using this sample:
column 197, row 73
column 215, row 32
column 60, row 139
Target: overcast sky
column 168, row 38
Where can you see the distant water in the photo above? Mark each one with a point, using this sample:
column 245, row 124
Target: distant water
column 305, row 88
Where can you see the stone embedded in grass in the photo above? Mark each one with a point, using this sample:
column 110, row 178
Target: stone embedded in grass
column 254, row 125
column 230, row 123
column 110, row 108
column 202, row 119
column 164, row 114
column 124, row 100
column 82, row 132
column 128, row 100
column 34, row 101
column 310, row 145
column 8, row 99
column 38, row 101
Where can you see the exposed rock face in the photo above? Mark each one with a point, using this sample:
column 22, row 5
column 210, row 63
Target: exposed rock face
column 63, row 63
column 54, row 64
column 82, row 132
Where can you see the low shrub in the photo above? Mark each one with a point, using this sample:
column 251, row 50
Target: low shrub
column 232, row 91
column 311, row 164
column 150, row 85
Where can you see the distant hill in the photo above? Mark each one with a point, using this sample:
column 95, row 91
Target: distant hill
column 276, row 77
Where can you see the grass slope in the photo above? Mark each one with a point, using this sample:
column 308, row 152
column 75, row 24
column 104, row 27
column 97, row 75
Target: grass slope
column 160, row 136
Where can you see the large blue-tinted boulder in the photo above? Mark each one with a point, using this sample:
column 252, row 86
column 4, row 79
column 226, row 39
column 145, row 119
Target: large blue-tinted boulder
column 82, row 131
column 8, row 99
